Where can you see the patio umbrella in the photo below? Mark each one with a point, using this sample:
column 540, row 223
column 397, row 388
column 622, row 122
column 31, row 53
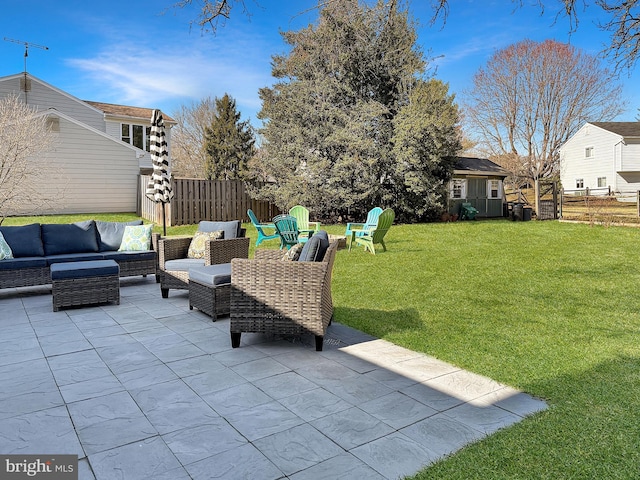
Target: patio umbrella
column 159, row 187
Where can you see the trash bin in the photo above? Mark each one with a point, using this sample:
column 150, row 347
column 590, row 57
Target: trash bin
column 517, row 212
column 526, row 213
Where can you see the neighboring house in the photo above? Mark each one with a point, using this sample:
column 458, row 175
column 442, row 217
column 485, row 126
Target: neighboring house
column 602, row 157
column 99, row 149
column 480, row 182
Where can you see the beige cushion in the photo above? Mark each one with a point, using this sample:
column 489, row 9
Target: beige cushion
column 198, row 244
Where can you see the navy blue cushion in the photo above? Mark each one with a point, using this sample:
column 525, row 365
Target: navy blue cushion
column 129, row 256
column 231, row 229
column 315, row 248
column 80, row 237
column 23, row 262
column 25, row 240
column 211, row 274
column 94, row 268
column 73, row 257
column 110, row 234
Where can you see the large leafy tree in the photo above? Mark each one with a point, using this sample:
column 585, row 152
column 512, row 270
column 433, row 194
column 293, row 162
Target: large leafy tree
column 228, row 143
column 329, row 120
column 425, row 140
column 532, row 96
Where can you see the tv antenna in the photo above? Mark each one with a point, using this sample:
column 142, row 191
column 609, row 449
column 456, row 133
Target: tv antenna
column 26, row 48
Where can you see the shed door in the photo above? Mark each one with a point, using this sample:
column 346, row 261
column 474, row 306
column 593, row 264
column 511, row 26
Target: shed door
column 477, row 194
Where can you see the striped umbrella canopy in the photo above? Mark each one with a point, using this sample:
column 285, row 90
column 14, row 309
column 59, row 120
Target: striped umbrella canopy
column 159, row 187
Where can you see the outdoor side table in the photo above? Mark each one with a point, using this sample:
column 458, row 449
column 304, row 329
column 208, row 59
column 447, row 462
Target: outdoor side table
column 210, row 289
column 85, row 283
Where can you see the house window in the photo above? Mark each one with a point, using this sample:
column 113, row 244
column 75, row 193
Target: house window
column 602, row 182
column 458, row 188
column 136, row 135
column 126, row 133
column 579, row 182
column 588, row 152
column 493, row 189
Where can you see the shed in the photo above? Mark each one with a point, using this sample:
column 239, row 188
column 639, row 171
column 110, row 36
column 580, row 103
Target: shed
column 480, row 182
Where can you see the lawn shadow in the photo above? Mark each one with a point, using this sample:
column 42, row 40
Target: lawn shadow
column 379, row 322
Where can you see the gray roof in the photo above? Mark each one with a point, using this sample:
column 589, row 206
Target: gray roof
column 478, row 165
column 624, row 129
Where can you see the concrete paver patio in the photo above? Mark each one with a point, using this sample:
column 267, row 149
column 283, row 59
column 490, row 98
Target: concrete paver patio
column 150, row 389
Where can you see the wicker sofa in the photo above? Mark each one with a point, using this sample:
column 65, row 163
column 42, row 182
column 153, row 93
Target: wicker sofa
column 269, row 295
column 174, row 262
column 36, row 246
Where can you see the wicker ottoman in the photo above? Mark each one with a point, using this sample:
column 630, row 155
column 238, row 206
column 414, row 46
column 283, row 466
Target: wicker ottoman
column 210, row 289
column 85, row 283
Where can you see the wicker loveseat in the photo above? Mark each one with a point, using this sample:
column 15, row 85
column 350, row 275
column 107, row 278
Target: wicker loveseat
column 36, row 246
column 174, row 262
column 270, row 295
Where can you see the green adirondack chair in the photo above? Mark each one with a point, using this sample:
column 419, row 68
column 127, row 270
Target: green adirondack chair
column 371, row 237
column 259, row 227
column 305, row 227
column 287, row 228
column 370, row 223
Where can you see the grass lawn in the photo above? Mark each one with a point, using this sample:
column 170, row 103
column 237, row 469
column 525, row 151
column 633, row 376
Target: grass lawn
column 550, row 308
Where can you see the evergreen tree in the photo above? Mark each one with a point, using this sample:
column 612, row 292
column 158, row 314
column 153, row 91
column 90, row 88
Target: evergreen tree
column 229, row 143
column 426, row 139
column 328, row 120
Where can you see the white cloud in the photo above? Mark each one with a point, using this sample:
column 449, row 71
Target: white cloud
column 187, row 69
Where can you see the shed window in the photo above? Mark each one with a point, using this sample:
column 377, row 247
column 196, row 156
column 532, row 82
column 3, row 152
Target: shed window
column 494, row 189
column 459, row 188
column 588, row 152
column 602, row 182
column 579, row 182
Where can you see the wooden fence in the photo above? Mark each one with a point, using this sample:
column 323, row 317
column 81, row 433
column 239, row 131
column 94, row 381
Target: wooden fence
column 195, row 200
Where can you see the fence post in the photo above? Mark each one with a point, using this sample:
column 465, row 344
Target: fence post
column 555, row 200
column 560, row 204
column 638, row 202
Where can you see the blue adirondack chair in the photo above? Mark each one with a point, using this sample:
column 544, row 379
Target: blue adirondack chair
column 370, row 223
column 259, row 227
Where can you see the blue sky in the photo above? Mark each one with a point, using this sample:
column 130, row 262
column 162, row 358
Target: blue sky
column 144, row 53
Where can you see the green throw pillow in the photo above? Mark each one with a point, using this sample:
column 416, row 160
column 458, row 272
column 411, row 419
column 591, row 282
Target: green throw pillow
column 198, row 245
column 5, row 249
column 136, row 238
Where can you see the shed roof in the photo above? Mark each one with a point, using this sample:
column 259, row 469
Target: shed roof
column 126, row 111
column 624, row 129
column 478, row 166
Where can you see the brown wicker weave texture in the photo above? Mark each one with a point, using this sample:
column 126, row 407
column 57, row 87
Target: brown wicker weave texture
column 85, row 291
column 217, row 252
column 269, row 295
column 212, row 300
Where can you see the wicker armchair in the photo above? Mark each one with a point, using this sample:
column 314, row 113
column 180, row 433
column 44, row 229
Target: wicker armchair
column 217, row 251
column 269, row 295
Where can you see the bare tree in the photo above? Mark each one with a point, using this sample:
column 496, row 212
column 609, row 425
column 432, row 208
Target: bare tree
column 25, row 177
column 623, row 20
column 188, row 157
column 622, row 23
column 531, row 97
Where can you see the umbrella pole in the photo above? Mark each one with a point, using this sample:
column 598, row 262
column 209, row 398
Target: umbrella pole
column 164, row 222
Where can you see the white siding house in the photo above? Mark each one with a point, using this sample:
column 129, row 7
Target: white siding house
column 602, row 157
column 95, row 167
